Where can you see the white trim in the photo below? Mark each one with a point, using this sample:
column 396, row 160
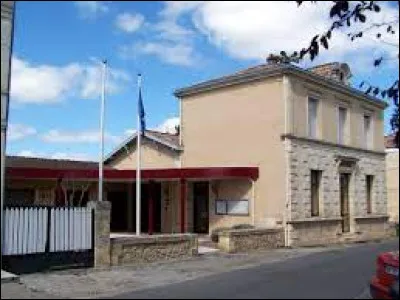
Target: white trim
column 392, row 150
column 133, row 137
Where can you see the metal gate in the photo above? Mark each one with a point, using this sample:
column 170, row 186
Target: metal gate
column 42, row 238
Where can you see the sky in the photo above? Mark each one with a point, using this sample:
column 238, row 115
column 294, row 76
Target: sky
column 59, row 46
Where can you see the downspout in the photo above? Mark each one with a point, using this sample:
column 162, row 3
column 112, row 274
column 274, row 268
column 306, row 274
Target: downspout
column 288, row 115
column 180, row 153
column 253, row 203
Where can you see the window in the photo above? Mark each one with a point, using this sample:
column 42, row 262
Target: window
column 315, row 191
column 367, row 138
column 312, row 117
column 369, row 182
column 232, row 207
column 342, row 115
column 18, row 197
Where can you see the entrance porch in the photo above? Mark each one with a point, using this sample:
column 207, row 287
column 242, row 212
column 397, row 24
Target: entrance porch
column 181, row 200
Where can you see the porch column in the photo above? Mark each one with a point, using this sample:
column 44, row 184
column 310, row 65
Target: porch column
column 151, row 207
column 183, row 205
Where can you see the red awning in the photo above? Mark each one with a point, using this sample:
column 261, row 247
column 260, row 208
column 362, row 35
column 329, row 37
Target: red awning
column 176, row 173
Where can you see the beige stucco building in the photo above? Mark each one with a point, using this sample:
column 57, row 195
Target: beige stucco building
column 270, row 146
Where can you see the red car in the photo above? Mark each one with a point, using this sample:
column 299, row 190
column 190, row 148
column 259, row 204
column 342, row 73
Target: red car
column 385, row 283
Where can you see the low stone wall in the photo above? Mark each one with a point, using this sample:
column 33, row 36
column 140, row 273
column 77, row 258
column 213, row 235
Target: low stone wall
column 242, row 240
column 314, row 232
column 373, row 227
column 144, row 249
column 324, row 231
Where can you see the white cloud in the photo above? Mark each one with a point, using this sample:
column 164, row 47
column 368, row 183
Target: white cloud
column 168, row 52
column 56, row 155
column 49, row 84
column 30, row 153
column 80, row 137
column 170, row 41
column 71, row 156
column 250, row 30
column 169, row 125
column 129, row 132
column 17, row 132
column 92, row 9
column 129, row 22
column 43, row 83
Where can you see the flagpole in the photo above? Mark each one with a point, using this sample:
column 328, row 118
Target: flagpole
column 138, row 160
column 101, row 155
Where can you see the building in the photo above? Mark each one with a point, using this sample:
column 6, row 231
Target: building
column 270, row 146
column 7, row 25
column 392, row 177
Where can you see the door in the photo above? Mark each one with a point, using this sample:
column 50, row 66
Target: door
column 200, row 207
column 344, row 201
column 150, row 192
column 119, row 206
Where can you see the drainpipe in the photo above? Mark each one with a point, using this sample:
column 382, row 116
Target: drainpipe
column 253, row 204
column 287, row 208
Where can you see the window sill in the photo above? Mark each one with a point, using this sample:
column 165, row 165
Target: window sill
column 315, row 219
column 371, row 217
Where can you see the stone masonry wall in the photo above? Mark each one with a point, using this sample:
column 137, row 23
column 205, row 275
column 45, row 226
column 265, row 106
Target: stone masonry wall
column 243, row 240
column 304, row 156
column 144, row 249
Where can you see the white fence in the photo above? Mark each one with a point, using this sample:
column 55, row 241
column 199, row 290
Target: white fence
column 29, row 230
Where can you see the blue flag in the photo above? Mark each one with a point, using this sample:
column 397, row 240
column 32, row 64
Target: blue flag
column 141, row 113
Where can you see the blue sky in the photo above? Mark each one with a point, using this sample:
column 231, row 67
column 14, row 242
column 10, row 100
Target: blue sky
column 58, row 46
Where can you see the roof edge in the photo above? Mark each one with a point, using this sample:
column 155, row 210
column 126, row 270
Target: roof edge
column 278, row 70
column 133, row 137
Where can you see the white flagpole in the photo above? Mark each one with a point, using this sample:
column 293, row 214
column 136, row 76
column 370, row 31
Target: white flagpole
column 101, row 155
column 138, row 158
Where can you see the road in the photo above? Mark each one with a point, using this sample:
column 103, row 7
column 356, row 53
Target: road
column 338, row 274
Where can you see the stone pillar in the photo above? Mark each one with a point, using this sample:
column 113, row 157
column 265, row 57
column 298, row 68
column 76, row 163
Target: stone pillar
column 102, row 218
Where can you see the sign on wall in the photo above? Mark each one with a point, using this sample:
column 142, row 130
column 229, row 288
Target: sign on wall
column 232, row 207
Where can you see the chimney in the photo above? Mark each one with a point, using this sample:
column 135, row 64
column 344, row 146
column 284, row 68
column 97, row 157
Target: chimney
column 273, row 59
column 336, row 71
column 177, row 130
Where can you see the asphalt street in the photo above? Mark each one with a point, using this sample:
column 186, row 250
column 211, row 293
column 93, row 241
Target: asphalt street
column 338, row 274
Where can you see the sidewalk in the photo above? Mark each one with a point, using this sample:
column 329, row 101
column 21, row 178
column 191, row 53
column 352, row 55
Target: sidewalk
column 15, row 290
column 89, row 283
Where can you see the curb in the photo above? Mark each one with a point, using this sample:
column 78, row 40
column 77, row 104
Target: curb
column 8, row 277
